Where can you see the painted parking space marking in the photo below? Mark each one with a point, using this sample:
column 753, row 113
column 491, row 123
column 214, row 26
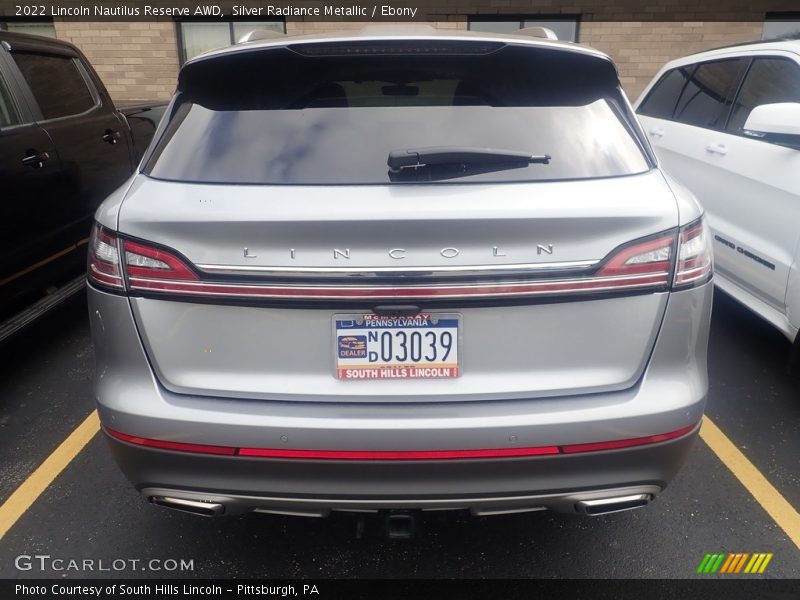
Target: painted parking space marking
column 37, row 482
column 770, row 499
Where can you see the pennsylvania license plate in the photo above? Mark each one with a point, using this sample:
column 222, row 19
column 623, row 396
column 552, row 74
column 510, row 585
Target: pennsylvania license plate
column 423, row 346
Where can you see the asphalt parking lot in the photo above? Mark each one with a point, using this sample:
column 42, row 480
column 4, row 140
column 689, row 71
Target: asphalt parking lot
column 91, row 512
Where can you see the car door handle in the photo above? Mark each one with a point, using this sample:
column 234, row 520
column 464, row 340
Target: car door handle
column 36, row 159
column 657, row 132
column 112, row 137
column 721, row 149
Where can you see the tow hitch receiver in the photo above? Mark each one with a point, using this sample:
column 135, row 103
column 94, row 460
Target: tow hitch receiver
column 400, row 524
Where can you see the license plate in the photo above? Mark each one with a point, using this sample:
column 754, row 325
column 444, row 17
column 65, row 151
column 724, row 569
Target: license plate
column 423, row 346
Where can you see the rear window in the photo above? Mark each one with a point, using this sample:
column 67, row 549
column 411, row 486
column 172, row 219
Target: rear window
column 332, row 114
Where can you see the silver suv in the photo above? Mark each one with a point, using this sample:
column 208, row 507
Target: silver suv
column 430, row 271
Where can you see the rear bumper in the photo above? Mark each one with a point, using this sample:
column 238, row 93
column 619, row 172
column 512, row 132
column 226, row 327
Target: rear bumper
column 669, row 396
column 567, row 484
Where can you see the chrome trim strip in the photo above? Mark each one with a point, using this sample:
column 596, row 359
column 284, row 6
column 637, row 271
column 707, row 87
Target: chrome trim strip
column 615, row 500
column 501, row 289
column 483, row 270
column 562, row 501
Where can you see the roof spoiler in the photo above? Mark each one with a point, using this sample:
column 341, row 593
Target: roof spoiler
column 260, row 34
column 537, row 32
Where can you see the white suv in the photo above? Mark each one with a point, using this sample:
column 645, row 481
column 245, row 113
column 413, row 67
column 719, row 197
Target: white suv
column 726, row 123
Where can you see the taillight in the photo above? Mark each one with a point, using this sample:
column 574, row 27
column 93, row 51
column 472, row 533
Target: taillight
column 647, row 263
column 146, row 265
column 695, row 262
column 104, row 266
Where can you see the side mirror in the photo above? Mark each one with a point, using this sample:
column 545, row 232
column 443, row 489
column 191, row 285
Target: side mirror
column 779, row 123
column 782, row 119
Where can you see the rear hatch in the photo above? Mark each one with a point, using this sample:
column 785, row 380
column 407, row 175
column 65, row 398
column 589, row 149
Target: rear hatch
column 275, row 249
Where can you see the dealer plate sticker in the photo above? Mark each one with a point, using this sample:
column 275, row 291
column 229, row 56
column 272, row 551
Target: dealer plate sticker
column 422, row 346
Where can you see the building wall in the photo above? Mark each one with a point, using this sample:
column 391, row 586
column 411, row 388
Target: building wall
column 135, row 60
column 640, row 49
column 139, row 61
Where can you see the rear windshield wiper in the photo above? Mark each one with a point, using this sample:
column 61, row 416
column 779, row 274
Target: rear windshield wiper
column 447, row 162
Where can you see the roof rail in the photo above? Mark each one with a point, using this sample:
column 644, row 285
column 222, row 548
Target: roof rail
column 260, row 34
column 539, row 32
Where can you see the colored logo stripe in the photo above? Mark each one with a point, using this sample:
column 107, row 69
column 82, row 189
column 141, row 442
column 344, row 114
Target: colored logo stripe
column 735, row 562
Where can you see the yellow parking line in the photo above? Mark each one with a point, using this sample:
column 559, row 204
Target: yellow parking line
column 770, row 499
column 38, row 481
column 44, row 262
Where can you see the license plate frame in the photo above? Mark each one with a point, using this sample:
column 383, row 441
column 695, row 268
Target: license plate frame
column 438, row 333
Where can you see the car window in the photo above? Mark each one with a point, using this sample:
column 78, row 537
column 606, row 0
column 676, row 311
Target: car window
column 57, row 85
column 707, row 97
column 662, row 99
column 8, row 112
column 334, row 119
column 769, row 80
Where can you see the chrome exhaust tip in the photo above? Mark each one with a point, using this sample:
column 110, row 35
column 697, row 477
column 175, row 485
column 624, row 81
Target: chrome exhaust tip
column 605, row 506
column 195, row 507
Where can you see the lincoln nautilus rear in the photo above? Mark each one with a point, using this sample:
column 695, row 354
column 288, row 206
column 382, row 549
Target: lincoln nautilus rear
column 384, row 271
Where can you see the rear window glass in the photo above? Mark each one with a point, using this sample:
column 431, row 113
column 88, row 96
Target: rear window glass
column 333, row 114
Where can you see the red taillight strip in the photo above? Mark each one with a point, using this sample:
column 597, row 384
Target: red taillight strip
column 614, row 444
column 526, row 288
column 400, row 454
column 108, row 279
column 164, row 445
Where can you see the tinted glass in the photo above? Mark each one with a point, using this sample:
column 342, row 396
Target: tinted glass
column 335, row 119
column 241, row 28
column 565, row 29
column 8, row 112
column 769, row 80
column 778, row 28
column 661, row 100
column 56, row 83
column 708, row 95
column 44, row 28
column 200, row 37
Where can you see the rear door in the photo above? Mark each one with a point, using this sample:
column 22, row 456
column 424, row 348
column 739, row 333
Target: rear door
column 30, row 176
column 79, row 118
column 694, row 117
column 759, row 216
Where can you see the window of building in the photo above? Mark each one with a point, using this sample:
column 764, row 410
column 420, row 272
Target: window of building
column 197, row 37
column 780, row 25
column 566, row 28
column 56, row 82
column 45, row 28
